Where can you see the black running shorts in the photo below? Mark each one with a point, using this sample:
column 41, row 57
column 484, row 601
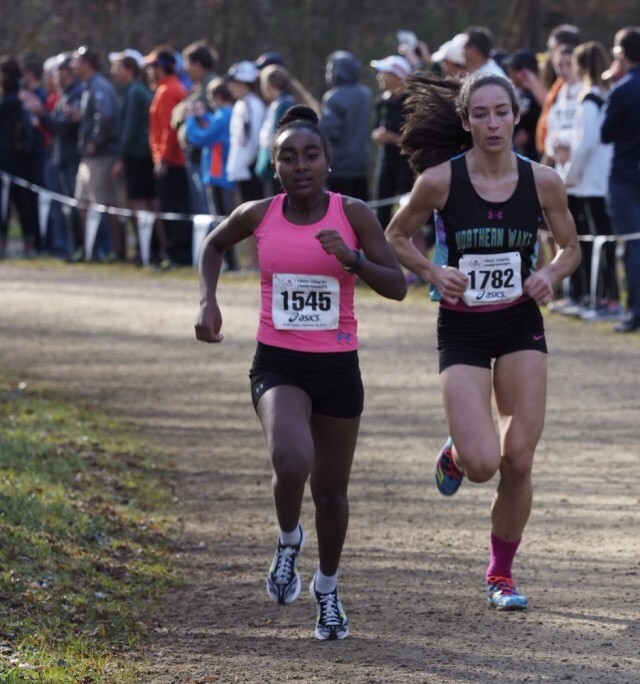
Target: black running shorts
column 332, row 380
column 475, row 338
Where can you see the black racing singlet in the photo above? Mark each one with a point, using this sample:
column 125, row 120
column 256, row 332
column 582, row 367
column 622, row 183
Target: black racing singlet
column 472, row 225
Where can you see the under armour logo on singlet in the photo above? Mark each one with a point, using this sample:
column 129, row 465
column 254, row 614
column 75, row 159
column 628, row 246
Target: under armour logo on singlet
column 344, row 336
column 495, row 215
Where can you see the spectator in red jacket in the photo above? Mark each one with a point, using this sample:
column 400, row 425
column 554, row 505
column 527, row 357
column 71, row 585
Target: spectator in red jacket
column 168, row 160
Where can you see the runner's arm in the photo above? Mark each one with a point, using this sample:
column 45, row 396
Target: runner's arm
column 429, row 193
column 380, row 268
column 238, row 226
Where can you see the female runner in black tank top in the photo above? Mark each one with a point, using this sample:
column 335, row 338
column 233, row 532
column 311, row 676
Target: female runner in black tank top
column 489, row 204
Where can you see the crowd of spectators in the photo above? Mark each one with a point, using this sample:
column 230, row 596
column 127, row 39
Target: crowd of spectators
column 173, row 134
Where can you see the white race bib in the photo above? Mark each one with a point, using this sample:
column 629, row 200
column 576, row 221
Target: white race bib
column 493, row 278
column 305, row 302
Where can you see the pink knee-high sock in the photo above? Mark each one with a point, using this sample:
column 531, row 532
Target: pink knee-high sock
column 502, row 554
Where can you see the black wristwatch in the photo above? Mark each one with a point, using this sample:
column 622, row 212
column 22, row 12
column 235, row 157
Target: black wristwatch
column 357, row 265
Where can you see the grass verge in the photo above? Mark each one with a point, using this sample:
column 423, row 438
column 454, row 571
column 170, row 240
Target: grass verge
column 86, row 536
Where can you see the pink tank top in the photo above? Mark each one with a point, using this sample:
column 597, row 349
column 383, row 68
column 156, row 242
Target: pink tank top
column 307, row 297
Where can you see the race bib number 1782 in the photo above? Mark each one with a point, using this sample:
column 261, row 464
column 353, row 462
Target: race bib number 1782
column 493, row 278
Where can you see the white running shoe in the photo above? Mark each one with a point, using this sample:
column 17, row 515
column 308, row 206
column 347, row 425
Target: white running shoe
column 283, row 580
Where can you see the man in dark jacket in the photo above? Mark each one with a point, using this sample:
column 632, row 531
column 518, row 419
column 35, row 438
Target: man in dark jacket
column 345, row 120
column 620, row 127
column 98, row 143
column 16, row 149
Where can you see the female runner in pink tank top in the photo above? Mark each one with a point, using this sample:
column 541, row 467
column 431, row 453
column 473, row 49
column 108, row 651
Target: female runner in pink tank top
column 305, row 377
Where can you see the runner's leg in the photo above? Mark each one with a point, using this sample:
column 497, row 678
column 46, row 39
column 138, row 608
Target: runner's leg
column 520, row 385
column 285, row 414
column 467, row 405
column 335, row 444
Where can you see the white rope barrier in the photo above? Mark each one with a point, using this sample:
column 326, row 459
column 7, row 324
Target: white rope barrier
column 144, row 218
column 202, row 222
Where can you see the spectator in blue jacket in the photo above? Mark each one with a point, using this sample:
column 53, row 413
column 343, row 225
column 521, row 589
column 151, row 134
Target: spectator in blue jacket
column 620, row 127
column 209, row 131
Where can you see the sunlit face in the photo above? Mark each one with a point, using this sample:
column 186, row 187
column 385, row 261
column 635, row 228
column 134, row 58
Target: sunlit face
column 195, row 70
column 491, row 118
column 118, row 71
column 564, row 66
column 269, row 91
column 238, row 89
column 472, row 57
column 81, row 67
column 300, row 162
column 388, row 81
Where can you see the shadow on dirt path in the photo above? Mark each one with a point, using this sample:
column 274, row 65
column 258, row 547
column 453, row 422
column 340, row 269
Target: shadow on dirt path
column 413, row 566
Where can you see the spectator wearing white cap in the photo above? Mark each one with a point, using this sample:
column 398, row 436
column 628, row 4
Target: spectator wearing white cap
column 450, row 56
column 246, row 120
column 247, row 117
column 135, row 55
column 392, row 176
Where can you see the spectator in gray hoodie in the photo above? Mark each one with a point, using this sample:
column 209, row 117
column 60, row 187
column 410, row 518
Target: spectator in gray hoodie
column 345, row 120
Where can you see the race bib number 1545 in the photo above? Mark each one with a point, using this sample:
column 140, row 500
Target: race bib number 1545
column 305, row 302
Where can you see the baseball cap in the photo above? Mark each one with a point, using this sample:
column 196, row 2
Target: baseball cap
column 165, row 57
column 268, row 58
column 128, row 52
column 394, row 64
column 245, row 72
column 452, row 50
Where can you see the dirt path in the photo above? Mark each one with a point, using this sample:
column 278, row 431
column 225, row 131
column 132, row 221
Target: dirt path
column 414, row 562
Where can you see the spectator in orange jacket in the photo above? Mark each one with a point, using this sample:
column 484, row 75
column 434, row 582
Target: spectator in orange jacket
column 168, row 160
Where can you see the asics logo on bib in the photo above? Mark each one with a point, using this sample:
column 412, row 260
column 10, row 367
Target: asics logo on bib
column 488, row 294
column 304, row 318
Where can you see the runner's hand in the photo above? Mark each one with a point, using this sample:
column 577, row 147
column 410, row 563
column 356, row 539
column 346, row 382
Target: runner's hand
column 209, row 323
column 451, row 283
column 539, row 287
column 332, row 243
